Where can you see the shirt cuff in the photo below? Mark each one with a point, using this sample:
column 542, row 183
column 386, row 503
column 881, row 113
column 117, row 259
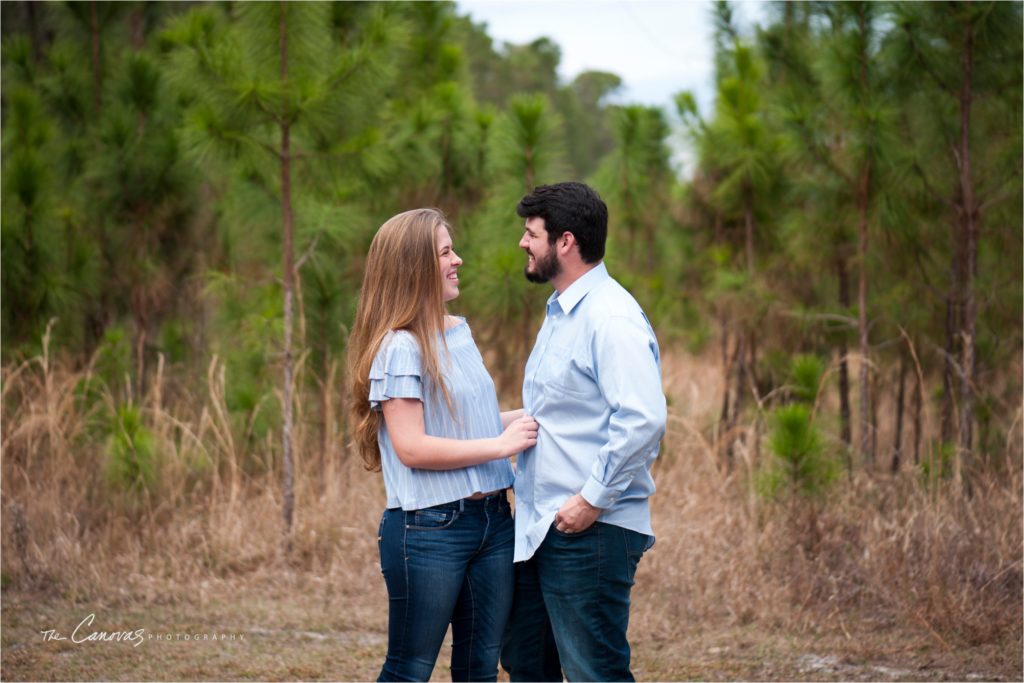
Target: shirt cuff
column 599, row 495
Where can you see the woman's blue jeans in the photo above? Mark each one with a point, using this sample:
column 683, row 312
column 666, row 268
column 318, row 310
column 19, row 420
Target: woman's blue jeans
column 447, row 564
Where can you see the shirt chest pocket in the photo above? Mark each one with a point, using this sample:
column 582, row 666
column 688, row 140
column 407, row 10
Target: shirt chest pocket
column 564, row 376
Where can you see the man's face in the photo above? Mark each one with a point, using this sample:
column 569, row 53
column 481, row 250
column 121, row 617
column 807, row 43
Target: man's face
column 542, row 262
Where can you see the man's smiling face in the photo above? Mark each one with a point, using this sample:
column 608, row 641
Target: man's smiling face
column 542, row 262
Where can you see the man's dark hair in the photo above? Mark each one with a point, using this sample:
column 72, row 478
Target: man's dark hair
column 570, row 207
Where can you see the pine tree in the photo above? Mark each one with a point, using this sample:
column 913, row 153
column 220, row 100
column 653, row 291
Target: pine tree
column 273, row 82
column 841, row 120
column 738, row 150
column 526, row 152
column 970, row 54
column 647, row 249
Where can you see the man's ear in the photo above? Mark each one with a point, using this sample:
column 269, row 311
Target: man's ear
column 565, row 242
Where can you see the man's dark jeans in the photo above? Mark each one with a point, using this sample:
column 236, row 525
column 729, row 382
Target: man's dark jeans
column 571, row 607
column 450, row 563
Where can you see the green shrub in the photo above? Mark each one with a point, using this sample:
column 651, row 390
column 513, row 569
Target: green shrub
column 939, row 464
column 131, row 452
column 805, row 373
column 800, row 466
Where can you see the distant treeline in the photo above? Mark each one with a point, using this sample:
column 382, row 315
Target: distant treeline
column 185, row 180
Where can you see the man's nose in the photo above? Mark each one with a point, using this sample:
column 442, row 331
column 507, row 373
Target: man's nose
column 523, row 244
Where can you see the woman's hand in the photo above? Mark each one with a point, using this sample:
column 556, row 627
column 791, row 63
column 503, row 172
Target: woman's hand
column 518, row 436
column 415, row 448
column 510, row 416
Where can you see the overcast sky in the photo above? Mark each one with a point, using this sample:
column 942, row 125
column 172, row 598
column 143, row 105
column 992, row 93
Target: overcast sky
column 657, row 47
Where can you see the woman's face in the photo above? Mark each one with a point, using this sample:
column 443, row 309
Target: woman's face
column 449, row 263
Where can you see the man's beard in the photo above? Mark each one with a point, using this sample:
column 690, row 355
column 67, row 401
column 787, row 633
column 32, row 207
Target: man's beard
column 544, row 269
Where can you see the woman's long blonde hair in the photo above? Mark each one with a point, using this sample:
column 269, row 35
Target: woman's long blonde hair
column 402, row 290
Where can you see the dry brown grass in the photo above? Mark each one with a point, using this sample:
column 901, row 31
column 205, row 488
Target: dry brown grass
column 882, row 551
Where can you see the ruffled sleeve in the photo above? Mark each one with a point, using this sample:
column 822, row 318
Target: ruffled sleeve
column 397, row 370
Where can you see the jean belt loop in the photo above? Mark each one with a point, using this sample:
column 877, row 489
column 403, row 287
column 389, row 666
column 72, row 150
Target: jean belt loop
column 462, row 504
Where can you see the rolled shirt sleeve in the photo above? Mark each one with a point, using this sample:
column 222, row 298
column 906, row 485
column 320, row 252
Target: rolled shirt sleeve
column 626, row 359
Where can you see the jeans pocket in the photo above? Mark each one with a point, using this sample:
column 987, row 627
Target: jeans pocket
column 635, row 544
column 430, row 519
column 380, row 541
column 575, row 534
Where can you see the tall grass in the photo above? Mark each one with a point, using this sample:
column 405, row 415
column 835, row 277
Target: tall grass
column 898, row 547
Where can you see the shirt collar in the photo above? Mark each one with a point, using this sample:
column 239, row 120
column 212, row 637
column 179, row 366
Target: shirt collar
column 575, row 292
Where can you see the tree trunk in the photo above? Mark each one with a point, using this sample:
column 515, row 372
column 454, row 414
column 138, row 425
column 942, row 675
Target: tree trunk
column 752, row 362
column 447, row 181
column 723, row 417
column 34, row 31
column 723, row 321
column 918, row 400
column 873, row 378
column 526, row 329
column 949, row 358
column 286, row 210
column 739, row 365
column 969, row 228
column 529, row 169
column 897, row 446
column 326, row 423
column 100, row 316
column 343, row 423
column 528, row 337
column 135, row 28
column 97, row 69
column 747, row 371
column 630, row 212
column 748, row 228
column 844, row 365
column 648, row 219
column 866, row 425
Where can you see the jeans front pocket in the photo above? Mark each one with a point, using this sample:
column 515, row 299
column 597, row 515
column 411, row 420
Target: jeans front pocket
column 575, row 534
column 636, row 545
column 430, row 519
column 380, row 539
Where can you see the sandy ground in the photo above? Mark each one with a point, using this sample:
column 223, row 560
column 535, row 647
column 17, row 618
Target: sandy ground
column 302, row 631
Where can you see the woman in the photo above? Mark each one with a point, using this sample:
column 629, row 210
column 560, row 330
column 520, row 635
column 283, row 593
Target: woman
column 427, row 415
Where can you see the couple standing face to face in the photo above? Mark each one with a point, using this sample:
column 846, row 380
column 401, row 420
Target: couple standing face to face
column 542, row 264
column 426, row 414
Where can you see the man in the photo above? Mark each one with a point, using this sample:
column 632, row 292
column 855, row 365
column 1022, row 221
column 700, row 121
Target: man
column 593, row 382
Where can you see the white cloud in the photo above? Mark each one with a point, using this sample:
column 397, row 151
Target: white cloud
column 658, row 47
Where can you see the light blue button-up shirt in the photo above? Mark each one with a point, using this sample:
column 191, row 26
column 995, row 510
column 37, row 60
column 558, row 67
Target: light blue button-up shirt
column 397, row 372
column 593, row 382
